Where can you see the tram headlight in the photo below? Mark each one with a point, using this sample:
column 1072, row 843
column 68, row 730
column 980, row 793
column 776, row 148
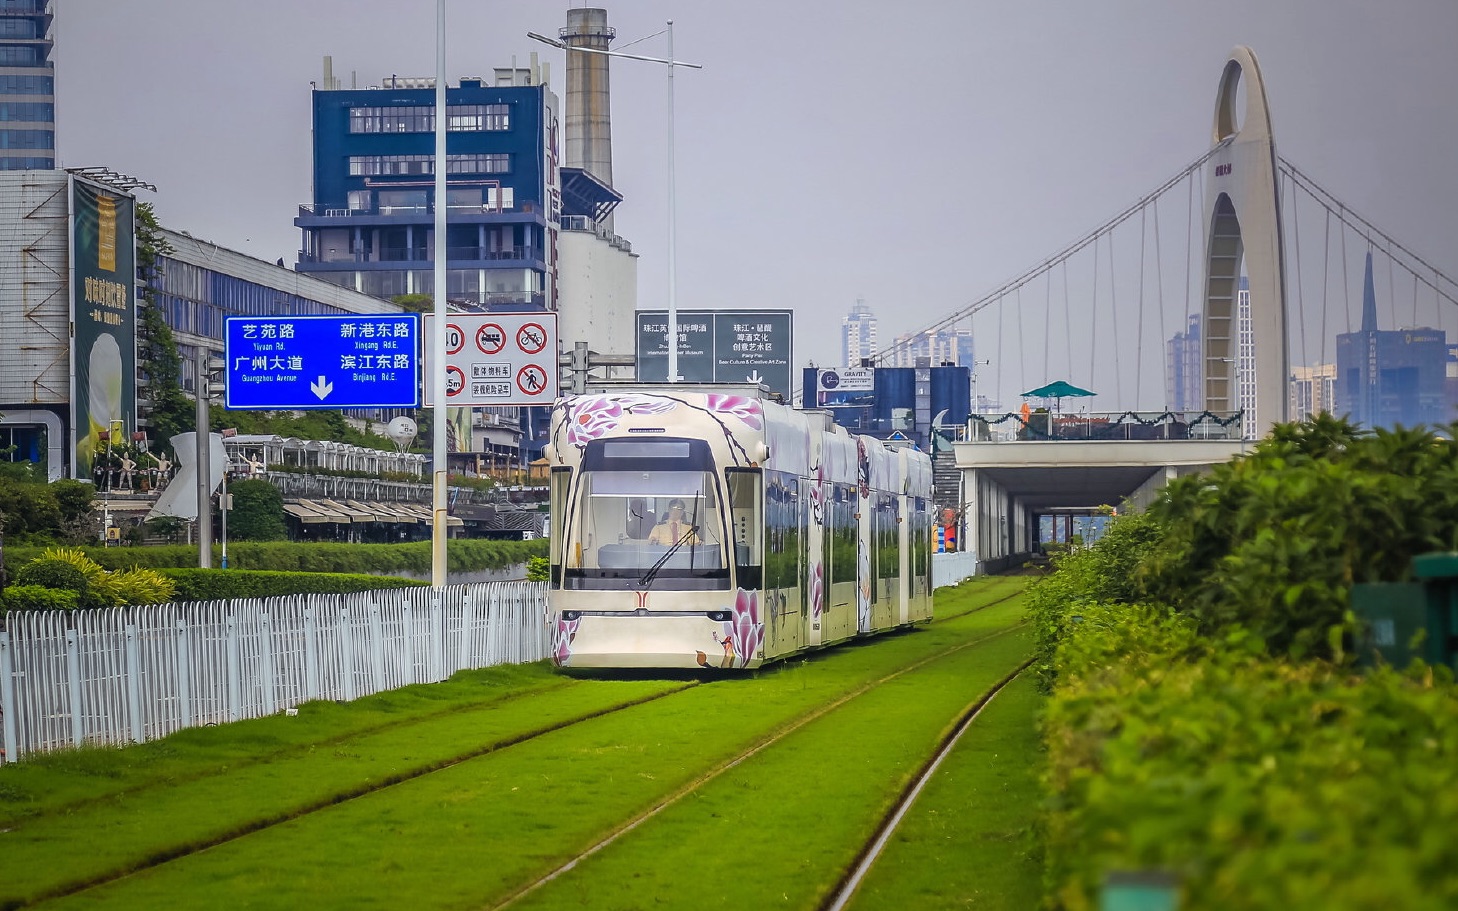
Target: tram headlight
column 570, row 615
column 719, row 616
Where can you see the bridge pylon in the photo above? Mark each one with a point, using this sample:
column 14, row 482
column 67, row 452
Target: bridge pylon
column 1243, row 208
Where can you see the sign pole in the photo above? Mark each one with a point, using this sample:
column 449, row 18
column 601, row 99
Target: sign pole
column 204, row 466
column 437, row 338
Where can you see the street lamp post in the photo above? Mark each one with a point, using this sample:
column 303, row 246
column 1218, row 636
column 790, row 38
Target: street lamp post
column 672, row 207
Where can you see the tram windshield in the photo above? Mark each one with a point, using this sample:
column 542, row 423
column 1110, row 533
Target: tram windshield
column 637, row 528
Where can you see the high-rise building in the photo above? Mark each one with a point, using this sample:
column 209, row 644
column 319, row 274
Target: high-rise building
column 1182, row 371
column 1313, row 391
column 371, row 225
column 858, row 335
column 1392, row 377
column 27, row 87
column 937, row 347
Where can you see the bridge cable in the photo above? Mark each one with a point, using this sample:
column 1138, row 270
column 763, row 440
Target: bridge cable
column 1189, row 283
column 996, row 294
column 1067, row 319
column 1159, row 280
column 1000, row 362
column 1325, row 281
column 1346, row 277
column 1139, row 326
column 1300, row 295
column 1114, row 311
column 1022, row 345
column 1320, row 194
column 1047, row 320
column 1093, row 338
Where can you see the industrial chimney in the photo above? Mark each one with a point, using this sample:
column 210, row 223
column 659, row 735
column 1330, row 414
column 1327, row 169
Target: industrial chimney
column 589, row 116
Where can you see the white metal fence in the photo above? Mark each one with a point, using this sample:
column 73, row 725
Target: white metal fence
column 138, row 673
column 949, row 569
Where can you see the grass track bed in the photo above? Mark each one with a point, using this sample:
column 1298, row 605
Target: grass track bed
column 967, row 842
column 778, row 829
column 479, row 830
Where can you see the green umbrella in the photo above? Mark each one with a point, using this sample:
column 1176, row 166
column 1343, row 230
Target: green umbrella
column 1057, row 391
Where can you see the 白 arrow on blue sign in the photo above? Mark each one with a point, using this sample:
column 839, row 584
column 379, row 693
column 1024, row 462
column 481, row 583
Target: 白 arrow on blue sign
column 300, row 362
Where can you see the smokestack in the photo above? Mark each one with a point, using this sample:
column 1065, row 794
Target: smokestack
column 589, row 117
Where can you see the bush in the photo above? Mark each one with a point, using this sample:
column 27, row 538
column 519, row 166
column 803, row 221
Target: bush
column 1261, row 784
column 37, row 597
column 225, row 584
column 538, row 569
column 53, row 573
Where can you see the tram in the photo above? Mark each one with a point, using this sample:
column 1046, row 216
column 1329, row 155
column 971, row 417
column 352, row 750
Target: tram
column 708, row 526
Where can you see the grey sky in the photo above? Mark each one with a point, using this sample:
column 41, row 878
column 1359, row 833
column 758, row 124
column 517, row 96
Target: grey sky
column 915, row 153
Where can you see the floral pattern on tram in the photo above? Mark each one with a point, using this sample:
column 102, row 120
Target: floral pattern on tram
column 562, row 638
column 598, row 415
column 747, row 410
column 743, row 633
column 817, row 588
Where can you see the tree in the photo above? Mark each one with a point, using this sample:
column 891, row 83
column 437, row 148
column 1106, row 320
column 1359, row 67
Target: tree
column 257, row 513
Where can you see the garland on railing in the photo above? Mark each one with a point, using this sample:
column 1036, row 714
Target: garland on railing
column 1105, row 428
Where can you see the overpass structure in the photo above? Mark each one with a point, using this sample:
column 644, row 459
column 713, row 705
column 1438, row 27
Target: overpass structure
column 1006, row 486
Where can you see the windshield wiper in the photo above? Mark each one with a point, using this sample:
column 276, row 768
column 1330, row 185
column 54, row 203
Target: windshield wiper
column 647, row 578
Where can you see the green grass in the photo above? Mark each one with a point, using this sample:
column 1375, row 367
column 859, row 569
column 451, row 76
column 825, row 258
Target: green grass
column 969, row 840
column 418, row 843
column 779, row 829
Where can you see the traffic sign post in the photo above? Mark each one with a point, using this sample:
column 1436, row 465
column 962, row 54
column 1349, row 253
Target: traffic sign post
column 294, row 363
column 498, row 359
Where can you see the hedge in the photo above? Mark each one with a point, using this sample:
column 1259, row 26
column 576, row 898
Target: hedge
column 463, row 555
column 37, row 597
column 223, row 584
column 1258, row 783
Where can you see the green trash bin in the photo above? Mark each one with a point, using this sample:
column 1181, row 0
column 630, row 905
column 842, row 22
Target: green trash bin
column 1394, row 614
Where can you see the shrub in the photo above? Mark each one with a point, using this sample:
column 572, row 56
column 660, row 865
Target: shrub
column 225, row 584
column 99, row 588
column 538, row 569
column 37, row 597
column 54, row 574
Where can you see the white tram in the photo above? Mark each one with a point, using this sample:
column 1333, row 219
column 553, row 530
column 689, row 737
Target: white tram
column 707, row 526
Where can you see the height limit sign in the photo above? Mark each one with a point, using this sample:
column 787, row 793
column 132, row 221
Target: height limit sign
column 495, row 358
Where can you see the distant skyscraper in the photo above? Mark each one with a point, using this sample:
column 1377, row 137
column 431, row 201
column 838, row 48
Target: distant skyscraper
column 858, row 335
column 1182, row 369
column 27, row 87
column 947, row 346
column 1313, row 391
column 1387, row 378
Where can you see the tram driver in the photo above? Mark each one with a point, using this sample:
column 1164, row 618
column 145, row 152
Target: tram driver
column 674, row 526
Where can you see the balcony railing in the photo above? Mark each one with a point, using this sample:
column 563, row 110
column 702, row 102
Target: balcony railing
column 1128, row 425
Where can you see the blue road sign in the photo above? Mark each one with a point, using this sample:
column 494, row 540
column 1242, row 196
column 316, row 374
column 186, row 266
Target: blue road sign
column 297, row 362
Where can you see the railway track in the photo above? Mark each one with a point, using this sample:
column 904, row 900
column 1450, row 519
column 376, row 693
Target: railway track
column 445, row 771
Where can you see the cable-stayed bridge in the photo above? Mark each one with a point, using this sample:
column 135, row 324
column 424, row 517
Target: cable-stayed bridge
column 1198, row 317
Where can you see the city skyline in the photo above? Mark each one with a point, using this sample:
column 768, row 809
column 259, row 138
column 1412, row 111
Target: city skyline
column 228, row 143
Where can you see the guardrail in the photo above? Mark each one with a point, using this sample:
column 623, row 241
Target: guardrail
column 1126, row 425
column 132, row 674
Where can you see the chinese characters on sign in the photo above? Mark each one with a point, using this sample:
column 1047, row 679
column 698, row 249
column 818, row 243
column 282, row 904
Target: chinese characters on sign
column 498, row 358
column 721, row 346
column 296, row 362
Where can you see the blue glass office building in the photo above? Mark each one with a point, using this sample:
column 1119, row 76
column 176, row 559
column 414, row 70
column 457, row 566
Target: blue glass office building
column 27, row 87
column 370, row 227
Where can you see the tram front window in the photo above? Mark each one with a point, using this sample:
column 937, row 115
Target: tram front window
column 663, row 526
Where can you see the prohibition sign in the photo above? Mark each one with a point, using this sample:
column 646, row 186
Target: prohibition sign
column 455, row 380
column 490, row 338
column 531, row 379
column 531, row 338
column 455, row 339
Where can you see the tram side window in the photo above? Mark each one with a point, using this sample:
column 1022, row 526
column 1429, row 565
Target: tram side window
column 746, row 519
column 886, row 541
column 782, row 531
column 843, row 534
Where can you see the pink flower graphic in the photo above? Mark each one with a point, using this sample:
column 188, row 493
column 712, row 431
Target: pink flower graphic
column 817, row 587
column 562, row 638
column 591, row 419
column 746, row 409
column 745, row 631
column 645, row 404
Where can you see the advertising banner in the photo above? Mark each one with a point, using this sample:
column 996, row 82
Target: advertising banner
column 104, row 313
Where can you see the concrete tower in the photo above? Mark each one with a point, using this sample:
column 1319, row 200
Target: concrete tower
column 589, row 115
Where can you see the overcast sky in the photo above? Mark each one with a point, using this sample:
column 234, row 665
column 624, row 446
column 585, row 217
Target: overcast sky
column 916, row 154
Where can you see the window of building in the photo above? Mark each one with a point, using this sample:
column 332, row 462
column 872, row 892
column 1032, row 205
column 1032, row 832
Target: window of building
column 359, row 200
column 403, row 202
column 405, row 165
column 19, row 28
column 421, row 118
column 27, row 85
column 27, row 139
column 33, row 111
column 21, row 55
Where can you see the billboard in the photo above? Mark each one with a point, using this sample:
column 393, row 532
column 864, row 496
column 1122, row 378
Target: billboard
column 104, row 314
column 719, row 346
